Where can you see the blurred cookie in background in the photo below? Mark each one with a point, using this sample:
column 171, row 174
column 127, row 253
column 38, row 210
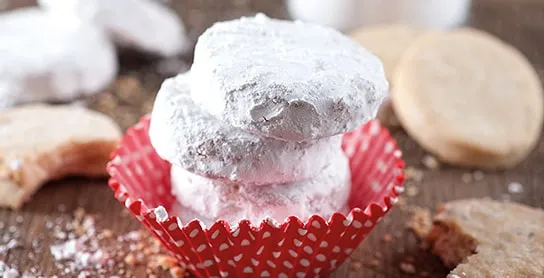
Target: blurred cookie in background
column 469, row 98
column 46, row 58
column 145, row 25
column 389, row 43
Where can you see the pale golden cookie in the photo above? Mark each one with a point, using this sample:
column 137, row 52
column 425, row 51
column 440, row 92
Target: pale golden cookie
column 40, row 143
column 481, row 238
column 388, row 42
column 469, row 98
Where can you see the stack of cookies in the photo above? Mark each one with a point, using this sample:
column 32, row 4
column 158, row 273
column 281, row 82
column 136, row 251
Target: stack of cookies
column 254, row 130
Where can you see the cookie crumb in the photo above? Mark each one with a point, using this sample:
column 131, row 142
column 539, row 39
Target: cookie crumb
column 430, row 162
column 356, row 266
column 161, row 214
column 19, row 219
column 61, row 207
column 407, row 268
column 466, row 178
column 387, row 238
column 166, row 262
column 105, row 234
column 420, row 222
column 478, row 175
column 130, row 260
column 412, row 190
column 515, row 188
column 413, row 174
column 177, row 272
column 375, row 262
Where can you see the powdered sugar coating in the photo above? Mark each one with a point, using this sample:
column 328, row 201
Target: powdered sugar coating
column 184, row 134
column 288, row 80
column 142, row 24
column 325, row 193
column 45, row 58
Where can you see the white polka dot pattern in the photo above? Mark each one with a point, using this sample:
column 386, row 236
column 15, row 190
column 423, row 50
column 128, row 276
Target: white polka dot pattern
column 140, row 180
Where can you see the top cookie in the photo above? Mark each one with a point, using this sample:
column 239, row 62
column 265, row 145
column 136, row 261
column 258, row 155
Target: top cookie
column 186, row 135
column 287, row 80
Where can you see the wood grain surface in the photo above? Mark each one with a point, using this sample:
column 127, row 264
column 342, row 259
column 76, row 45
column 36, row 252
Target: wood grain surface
column 390, row 244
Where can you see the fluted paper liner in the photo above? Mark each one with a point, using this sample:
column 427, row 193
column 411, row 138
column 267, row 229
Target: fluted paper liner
column 316, row 247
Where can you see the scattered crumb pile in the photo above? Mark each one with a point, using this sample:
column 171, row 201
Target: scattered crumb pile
column 81, row 250
column 421, row 221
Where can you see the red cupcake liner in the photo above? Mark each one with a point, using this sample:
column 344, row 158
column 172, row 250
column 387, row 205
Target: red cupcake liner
column 316, row 247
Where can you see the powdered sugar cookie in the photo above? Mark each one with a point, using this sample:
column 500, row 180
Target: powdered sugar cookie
column 41, row 143
column 45, row 58
column 469, row 98
column 184, row 134
column 141, row 24
column 323, row 194
column 484, row 238
column 287, row 80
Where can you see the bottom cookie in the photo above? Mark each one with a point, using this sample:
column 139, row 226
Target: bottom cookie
column 205, row 198
column 484, row 238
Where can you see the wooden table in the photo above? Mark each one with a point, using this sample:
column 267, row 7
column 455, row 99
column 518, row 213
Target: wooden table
column 520, row 22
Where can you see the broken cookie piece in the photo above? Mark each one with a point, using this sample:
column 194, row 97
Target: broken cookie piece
column 485, row 238
column 42, row 143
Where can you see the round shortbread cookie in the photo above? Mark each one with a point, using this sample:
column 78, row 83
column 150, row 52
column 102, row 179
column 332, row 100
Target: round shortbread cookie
column 288, row 80
column 469, row 98
column 44, row 58
column 327, row 192
column 185, row 135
